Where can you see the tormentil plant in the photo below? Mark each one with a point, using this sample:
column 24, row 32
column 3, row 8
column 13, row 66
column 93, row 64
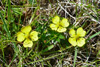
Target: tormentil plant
column 76, row 38
column 27, row 36
column 59, row 25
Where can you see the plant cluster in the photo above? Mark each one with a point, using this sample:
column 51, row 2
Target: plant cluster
column 76, row 37
column 49, row 33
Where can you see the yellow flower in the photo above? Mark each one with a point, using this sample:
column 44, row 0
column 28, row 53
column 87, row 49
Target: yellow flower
column 59, row 25
column 27, row 36
column 76, row 38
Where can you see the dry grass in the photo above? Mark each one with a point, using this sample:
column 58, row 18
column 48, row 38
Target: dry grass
column 80, row 13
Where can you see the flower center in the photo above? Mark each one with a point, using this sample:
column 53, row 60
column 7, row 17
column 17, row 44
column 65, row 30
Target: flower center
column 77, row 37
column 58, row 24
column 26, row 35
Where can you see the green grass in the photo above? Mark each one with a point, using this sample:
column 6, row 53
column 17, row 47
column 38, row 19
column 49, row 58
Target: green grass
column 52, row 48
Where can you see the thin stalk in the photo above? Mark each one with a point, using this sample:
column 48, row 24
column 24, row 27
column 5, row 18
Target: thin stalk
column 75, row 56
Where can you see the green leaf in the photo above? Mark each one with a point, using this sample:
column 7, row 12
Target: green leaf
column 58, row 39
column 61, row 37
column 48, row 48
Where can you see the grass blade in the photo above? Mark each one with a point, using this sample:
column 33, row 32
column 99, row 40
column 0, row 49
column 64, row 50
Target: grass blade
column 9, row 12
column 5, row 25
column 75, row 56
column 93, row 35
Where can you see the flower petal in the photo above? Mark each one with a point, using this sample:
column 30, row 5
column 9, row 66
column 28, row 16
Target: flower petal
column 64, row 22
column 80, row 42
column 27, row 43
column 53, row 27
column 61, row 29
column 20, row 36
column 72, row 41
column 34, row 35
column 26, row 29
column 56, row 20
column 81, row 32
column 72, row 32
